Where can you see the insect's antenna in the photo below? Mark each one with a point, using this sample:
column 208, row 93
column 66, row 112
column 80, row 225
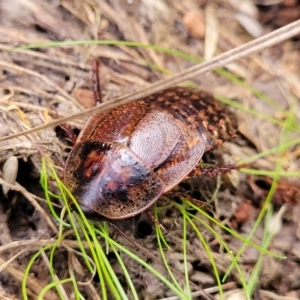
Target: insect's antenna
column 96, row 82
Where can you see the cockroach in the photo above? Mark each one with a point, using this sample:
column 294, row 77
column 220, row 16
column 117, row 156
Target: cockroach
column 125, row 159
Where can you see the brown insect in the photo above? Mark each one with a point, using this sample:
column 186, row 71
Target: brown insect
column 126, row 158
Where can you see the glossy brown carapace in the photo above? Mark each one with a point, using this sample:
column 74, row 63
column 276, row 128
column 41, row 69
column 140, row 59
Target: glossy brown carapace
column 126, row 158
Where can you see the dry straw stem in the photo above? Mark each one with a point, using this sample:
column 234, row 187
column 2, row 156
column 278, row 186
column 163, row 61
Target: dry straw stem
column 33, row 284
column 230, row 56
column 43, row 78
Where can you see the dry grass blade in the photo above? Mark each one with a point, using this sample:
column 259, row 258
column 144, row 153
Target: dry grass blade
column 259, row 44
column 44, row 78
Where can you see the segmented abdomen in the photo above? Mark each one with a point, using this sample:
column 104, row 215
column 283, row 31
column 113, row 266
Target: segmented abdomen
column 200, row 110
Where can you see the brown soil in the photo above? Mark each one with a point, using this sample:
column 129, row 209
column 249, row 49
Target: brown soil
column 40, row 85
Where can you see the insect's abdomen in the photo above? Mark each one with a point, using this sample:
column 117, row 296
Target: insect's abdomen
column 198, row 110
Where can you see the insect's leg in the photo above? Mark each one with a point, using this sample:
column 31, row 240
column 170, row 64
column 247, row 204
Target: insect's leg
column 96, row 82
column 71, row 136
column 187, row 197
column 69, row 132
column 213, row 171
column 156, row 222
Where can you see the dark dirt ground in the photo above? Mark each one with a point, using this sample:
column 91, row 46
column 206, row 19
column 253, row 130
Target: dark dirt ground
column 37, row 86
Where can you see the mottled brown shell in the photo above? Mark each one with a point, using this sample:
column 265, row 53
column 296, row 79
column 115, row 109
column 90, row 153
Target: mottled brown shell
column 125, row 159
